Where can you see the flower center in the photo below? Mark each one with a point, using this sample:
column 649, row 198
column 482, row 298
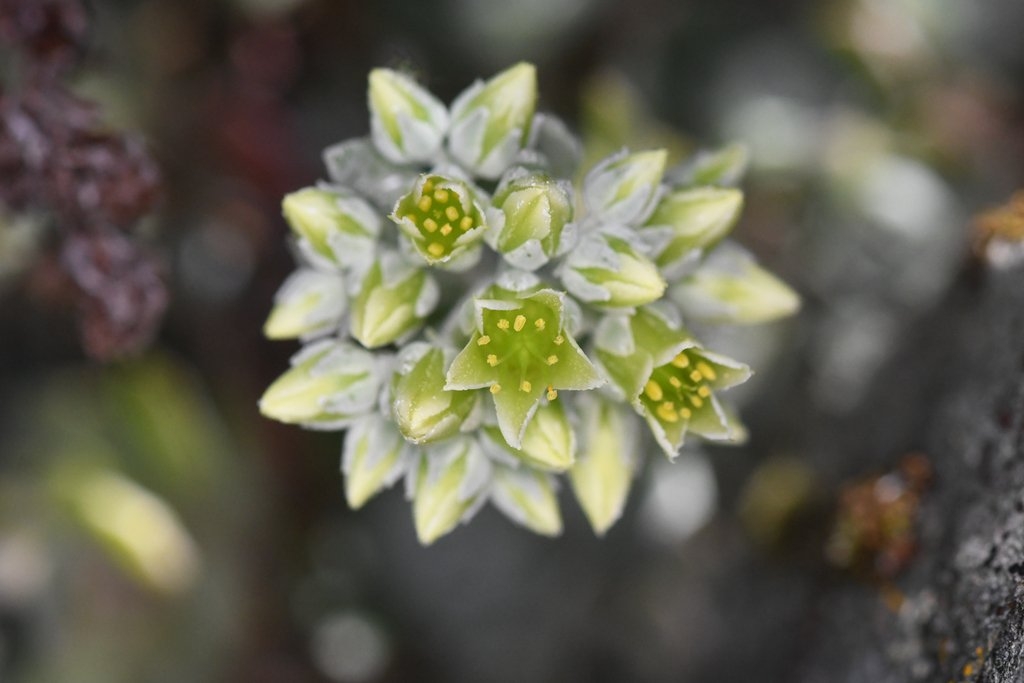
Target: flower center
column 439, row 216
column 678, row 388
column 523, row 343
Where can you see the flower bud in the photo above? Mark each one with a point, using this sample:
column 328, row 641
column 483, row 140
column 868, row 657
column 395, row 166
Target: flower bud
column 690, row 221
column 604, row 470
column 624, row 188
column 528, row 498
column 334, row 229
column 329, row 384
column 528, row 220
column 730, row 287
column 451, row 482
column 407, row 123
column 442, row 220
column 392, row 302
column 490, row 121
column 605, row 270
column 424, row 411
column 374, row 458
column 309, row 303
column 548, row 443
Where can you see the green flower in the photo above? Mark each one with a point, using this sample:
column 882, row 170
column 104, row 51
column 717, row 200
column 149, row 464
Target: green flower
column 310, row 303
column 375, row 457
column 491, row 121
column 527, row 497
column 424, row 411
column 335, row 228
column 522, row 352
column 605, row 270
column 407, row 122
column 449, row 483
column 442, row 221
column 624, row 188
column 394, row 299
column 668, row 378
column 329, row 384
column 529, row 219
column 603, row 473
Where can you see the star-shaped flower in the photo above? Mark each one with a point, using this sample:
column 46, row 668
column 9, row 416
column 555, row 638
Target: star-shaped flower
column 522, row 351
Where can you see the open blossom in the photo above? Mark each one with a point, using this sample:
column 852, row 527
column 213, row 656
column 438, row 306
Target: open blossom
column 481, row 328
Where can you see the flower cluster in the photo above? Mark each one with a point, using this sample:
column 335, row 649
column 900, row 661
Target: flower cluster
column 479, row 326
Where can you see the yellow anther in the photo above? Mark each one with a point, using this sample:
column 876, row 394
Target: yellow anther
column 697, row 401
column 539, row 323
column 428, row 187
column 552, row 393
column 435, row 249
column 441, row 196
column 452, row 213
column 680, row 361
column 430, row 225
column 552, row 359
column 466, row 223
column 484, row 340
column 667, row 412
column 425, row 203
column 685, row 413
column 703, row 391
column 706, row 370
column 503, row 324
column 526, row 386
column 558, row 340
column 495, row 388
column 492, row 360
column 653, row 390
column 446, row 229
column 520, row 323
column 675, row 381
column 696, row 376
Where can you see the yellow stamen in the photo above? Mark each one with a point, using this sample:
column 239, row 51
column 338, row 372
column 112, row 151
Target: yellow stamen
column 446, row 229
column 680, row 361
column 492, row 360
column 441, row 196
column 484, row 340
column 558, row 340
column 539, row 323
column 425, row 203
column 703, row 391
column 653, row 390
column 706, row 370
column 697, row 401
column 435, row 249
column 552, row 359
column 452, row 213
column 526, row 386
column 552, row 394
column 696, row 376
column 675, row 381
column 428, row 187
column 667, row 412
column 495, row 388
column 503, row 324
column 685, row 413
column 430, row 225
column 519, row 323
column 466, row 223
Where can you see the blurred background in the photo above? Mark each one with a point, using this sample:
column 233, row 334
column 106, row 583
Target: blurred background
column 153, row 527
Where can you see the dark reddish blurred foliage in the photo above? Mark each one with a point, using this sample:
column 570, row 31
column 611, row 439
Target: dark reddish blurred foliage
column 57, row 156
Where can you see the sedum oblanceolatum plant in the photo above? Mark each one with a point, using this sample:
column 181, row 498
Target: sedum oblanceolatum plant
column 478, row 326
